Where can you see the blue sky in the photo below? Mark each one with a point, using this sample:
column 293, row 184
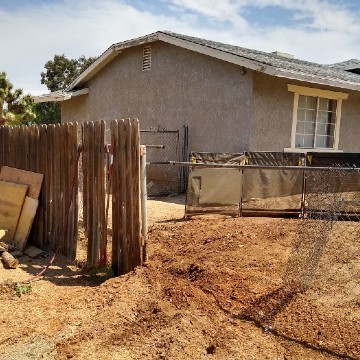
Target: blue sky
column 323, row 31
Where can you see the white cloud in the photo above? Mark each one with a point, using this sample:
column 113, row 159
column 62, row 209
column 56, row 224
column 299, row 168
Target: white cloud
column 325, row 32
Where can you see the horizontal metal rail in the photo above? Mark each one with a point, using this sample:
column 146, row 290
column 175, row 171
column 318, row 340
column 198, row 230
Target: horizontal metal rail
column 154, row 146
column 265, row 167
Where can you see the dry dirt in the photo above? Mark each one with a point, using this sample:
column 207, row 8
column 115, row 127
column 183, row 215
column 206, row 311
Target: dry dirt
column 212, row 289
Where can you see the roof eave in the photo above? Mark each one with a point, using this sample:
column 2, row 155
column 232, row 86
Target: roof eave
column 59, row 96
column 317, row 79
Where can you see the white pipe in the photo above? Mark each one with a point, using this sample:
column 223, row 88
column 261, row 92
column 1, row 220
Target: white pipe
column 143, row 197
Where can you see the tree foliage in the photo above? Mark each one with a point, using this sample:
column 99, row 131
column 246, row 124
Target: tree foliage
column 15, row 108
column 47, row 113
column 60, row 72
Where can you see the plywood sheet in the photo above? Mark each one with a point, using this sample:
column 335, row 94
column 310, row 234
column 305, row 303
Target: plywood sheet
column 31, row 179
column 2, row 233
column 12, row 197
column 23, row 228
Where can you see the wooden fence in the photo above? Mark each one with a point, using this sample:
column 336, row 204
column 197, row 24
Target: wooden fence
column 54, row 150
column 51, row 150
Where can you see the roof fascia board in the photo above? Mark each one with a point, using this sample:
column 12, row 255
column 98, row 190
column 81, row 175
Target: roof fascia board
column 317, row 80
column 57, row 97
column 95, row 67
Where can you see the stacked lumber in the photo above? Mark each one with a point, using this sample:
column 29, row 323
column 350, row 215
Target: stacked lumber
column 19, row 193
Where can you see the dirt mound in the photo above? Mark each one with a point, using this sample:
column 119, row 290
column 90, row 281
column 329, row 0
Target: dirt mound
column 213, row 288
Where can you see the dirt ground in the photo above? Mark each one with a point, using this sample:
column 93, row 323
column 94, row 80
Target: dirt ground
column 212, row 289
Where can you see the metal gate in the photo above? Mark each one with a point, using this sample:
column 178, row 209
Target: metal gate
column 163, row 146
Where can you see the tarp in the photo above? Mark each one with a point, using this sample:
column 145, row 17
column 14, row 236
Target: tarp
column 214, row 190
column 219, row 190
column 272, row 190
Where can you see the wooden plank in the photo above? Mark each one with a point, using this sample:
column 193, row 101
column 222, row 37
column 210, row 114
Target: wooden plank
column 136, row 189
column 101, row 189
column 84, row 172
column 57, row 175
column 90, row 193
column 12, row 197
column 74, row 210
column 122, row 198
column 130, row 256
column 26, row 219
column 49, row 178
column 115, row 252
column 42, row 236
column 31, row 179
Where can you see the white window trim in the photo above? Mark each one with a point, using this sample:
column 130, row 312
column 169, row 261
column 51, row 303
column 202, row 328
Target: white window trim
column 306, row 91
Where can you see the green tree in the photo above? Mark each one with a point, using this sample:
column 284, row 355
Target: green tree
column 59, row 73
column 47, row 113
column 15, row 108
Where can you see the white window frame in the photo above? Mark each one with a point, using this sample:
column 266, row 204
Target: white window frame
column 327, row 94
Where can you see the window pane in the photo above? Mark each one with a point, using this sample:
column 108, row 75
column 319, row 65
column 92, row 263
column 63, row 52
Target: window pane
column 307, row 102
column 304, row 141
column 325, row 129
column 309, row 128
column 327, row 104
column 324, row 141
column 326, row 117
column 300, row 127
column 306, row 115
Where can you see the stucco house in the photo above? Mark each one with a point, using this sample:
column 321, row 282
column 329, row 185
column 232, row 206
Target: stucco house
column 232, row 99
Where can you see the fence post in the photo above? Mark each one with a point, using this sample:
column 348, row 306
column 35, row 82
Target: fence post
column 143, row 195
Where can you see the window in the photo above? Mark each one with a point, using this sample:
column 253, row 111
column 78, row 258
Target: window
column 316, row 118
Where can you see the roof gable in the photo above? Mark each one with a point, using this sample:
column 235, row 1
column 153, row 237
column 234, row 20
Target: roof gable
column 268, row 63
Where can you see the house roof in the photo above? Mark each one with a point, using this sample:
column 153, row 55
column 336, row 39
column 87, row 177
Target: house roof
column 348, row 65
column 268, row 63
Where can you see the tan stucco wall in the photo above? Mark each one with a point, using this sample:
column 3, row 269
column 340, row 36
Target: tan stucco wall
column 183, row 87
column 226, row 110
column 272, row 109
column 272, row 115
column 75, row 110
column 350, row 123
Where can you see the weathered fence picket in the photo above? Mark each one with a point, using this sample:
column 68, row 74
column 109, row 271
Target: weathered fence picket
column 126, row 254
column 94, row 188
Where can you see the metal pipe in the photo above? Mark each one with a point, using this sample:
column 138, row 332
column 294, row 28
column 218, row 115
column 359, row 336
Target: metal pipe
column 265, row 167
column 155, row 146
column 143, row 197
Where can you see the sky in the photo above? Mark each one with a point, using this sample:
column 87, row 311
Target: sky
column 33, row 31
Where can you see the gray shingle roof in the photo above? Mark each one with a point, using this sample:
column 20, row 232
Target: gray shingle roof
column 269, row 63
column 274, row 60
column 347, row 65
